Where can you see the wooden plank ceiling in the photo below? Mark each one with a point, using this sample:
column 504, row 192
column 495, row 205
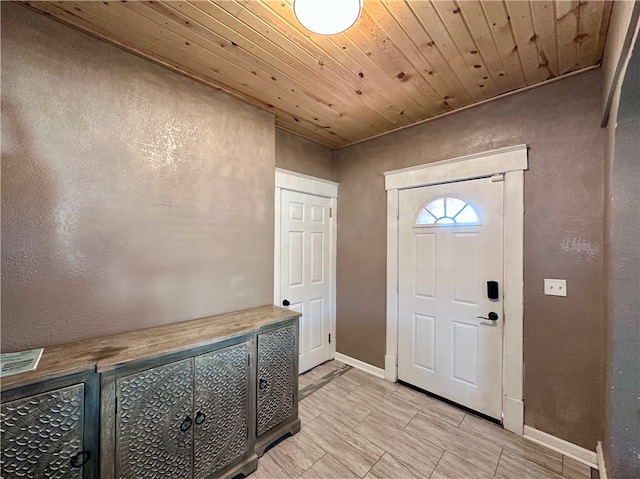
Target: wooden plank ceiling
column 403, row 62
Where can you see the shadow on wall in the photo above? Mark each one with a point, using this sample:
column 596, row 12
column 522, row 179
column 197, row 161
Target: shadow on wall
column 48, row 257
column 28, row 204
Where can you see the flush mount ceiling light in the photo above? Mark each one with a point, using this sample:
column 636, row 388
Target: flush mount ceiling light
column 327, row 17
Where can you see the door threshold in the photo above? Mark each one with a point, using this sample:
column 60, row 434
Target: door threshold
column 452, row 403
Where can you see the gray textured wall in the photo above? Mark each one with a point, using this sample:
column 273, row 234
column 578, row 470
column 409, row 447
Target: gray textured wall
column 622, row 442
column 294, row 153
column 131, row 196
column 564, row 351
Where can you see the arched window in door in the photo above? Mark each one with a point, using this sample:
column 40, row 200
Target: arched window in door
column 446, row 211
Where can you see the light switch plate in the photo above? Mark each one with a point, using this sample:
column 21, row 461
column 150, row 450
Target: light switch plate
column 555, row 287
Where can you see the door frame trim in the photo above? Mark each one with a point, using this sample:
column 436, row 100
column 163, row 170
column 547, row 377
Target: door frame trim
column 289, row 180
column 512, row 162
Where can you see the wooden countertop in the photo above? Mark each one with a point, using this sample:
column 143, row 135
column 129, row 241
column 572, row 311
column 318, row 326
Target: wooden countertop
column 107, row 352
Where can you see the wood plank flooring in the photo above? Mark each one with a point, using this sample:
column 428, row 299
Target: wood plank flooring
column 355, row 425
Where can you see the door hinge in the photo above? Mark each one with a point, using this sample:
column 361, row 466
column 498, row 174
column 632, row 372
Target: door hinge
column 116, row 405
column 330, row 212
column 329, row 338
column 248, row 359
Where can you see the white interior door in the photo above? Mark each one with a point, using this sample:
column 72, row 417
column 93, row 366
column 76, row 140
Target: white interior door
column 305, row 280
column 450, row 245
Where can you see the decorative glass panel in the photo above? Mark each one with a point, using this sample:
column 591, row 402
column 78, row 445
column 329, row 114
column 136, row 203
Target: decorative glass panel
column 453, row 207
column 436, row 207
column 467, row 216
column 447, row 211
column 425, row 218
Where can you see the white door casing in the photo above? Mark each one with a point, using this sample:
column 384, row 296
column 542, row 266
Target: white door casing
column 443, row 345
column 512, row 162
column 304, row 260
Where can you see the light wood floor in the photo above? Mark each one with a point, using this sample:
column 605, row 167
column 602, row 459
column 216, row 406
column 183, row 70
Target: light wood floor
column 355, row 425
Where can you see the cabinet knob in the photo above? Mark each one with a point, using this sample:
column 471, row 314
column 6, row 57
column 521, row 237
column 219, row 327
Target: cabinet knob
column 79, row 459
column 186, row 424
column 262, row 384
column 200, row 418
column 285, row 303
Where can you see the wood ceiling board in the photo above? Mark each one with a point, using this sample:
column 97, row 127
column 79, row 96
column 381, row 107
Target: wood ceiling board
column 567, row 18
column 418, row 63
column 396, row 65
column 604, row 28
column 435, row 65
column 354, row 114
column 376, row 79
column 588, row 32
column 521, row 19
column 58, row 11
column 229, row 65
column 432, row 23
column 248, row 43
column 103, row 25
column 544, row 27
column 451, row 16
column 274, row 26
column 403, row 62
column 472, row 14
column 195, row 58
column 499, row 24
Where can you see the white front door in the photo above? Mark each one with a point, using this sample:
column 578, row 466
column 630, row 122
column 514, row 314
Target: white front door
column 305, row 280
column 450, row 246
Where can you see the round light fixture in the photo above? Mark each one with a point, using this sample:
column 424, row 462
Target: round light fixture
column 327, row 17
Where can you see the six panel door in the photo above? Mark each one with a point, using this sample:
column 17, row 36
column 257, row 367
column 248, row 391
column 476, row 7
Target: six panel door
column 304, row 276
column 450, row 245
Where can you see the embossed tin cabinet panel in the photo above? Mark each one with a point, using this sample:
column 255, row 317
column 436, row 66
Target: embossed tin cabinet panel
column 154, row 422
column 221, row 409
column 42, row 435
column 276, row 377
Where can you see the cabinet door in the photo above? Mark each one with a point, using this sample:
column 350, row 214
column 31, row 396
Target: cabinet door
column 42, row 435
column 276, row 377
column 221, row 434
column 154, row 433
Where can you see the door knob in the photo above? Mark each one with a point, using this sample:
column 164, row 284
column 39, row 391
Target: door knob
column 285, row 303
column 491, row 316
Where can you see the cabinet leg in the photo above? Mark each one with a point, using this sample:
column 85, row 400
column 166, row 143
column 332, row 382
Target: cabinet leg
column 289, row 428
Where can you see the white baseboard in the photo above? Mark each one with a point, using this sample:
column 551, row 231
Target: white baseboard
column 602, row 469
column 566, row 448
column 356, row 363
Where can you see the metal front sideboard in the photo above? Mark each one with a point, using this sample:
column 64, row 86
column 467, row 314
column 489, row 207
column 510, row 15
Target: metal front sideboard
column 199, row 399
